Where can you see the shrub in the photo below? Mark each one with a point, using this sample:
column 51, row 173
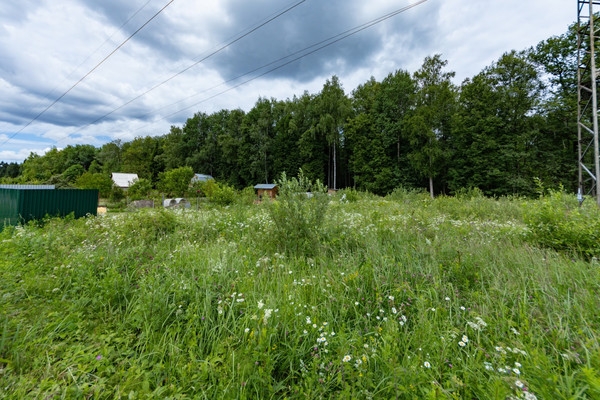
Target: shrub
column 116, row 194
column 176, row 182
column 219, row 193
column 298, row 214
column 247, row 196
column 556, row 222
column 140, row 189
column 405, row 195
column 99, row 181
column 150, row 224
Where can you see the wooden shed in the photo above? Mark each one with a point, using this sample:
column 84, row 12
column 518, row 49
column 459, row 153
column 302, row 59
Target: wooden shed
column 266, row 190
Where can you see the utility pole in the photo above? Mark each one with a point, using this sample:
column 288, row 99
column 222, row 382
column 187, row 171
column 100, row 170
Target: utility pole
column 587, row 100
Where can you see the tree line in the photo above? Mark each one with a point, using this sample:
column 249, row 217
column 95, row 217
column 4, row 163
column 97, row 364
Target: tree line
column 513, row 122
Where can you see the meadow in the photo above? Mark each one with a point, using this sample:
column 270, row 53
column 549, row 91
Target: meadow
column 350, row 296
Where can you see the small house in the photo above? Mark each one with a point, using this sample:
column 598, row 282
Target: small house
column 123, row 181
column 266, row 190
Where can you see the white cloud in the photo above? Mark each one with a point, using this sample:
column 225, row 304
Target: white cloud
column 48, row 46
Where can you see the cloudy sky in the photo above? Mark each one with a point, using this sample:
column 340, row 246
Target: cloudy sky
column 92, row 71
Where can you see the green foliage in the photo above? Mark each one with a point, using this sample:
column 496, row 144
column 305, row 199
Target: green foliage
column 176, row 182
column 219, row 193
column 72, row 173
column 407, row 195
column 151, row 224
column 140, row 189
column 99, row 181
column 557, row 222
column 116, row 194
column 246, row 196
column 406, row 299
column 298, row 214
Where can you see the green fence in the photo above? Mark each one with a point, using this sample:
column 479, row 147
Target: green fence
column 23, row 205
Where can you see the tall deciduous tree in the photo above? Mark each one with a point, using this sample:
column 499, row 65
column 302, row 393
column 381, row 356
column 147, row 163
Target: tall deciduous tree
column 429, row 124
column 140, row 156
column 497, row 129
column 333, row 109
column 110, row 156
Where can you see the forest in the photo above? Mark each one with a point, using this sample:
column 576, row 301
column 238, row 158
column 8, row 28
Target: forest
column 498, row 131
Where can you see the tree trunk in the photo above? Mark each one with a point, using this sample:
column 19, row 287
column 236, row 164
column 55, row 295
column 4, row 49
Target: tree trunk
column 334, row 168
column 431, row 186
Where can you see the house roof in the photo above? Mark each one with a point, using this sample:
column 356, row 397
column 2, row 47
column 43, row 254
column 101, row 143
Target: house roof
column 201, row 178
column 123, row 180
column 265, row 186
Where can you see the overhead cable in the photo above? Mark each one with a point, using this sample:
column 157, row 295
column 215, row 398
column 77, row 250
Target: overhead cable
column 89, row 73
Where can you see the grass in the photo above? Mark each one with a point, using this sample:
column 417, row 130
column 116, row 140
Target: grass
column 398, row 297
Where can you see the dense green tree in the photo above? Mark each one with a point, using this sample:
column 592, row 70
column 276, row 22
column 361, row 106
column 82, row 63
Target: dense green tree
column 497, row 127
column 176, row 181
column 100, row 181
column 174, row 148
column 9, row 170
column 556, row 145
column 71, row 174
column 428, row 126
column 39, row 169
column 290, row 121
column 370, row 164
column 142, row 156
column 82, row 155
column 258, row 129
column 311, row 149
column 333, row 108
column 140, row 189
column 375, row 139
column 229, row 140
column 110, row 156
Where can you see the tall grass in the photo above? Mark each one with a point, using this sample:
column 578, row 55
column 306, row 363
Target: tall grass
column 397, row 297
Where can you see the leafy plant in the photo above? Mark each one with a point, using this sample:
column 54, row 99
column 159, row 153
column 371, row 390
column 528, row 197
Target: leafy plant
column 555, row 221
column 219, row 193
column 298, row 213
column 140, row 189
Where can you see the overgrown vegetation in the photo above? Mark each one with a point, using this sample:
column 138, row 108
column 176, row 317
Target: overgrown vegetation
column 496, row 131
column 396, row 297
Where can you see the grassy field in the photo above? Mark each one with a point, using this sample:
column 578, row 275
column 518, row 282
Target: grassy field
column 350, row 297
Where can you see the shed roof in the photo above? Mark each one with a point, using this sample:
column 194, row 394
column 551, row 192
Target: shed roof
column 201, row 178
column 123, row 180
column 265, row 186
column 38, row 187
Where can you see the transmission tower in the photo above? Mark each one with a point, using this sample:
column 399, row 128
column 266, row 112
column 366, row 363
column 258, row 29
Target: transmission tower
column 587, row 99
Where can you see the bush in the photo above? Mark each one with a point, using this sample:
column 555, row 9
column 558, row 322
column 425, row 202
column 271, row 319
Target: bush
column 116, row 194
column 219, row 193
column 99, row 181
column 405, row 195
column 247, row 196
column 298, row 213
column 140, row 189
column 150, row 224
column 556, row 222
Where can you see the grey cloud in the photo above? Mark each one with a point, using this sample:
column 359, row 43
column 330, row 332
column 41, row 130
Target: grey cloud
column 310, row 23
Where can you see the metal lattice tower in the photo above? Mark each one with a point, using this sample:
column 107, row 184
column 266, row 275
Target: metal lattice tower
column 587, row 98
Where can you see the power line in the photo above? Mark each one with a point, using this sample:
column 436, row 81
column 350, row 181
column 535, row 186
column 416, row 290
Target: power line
column 97, row 49
column 303, row 53
column 89, row 73
column 218, row 50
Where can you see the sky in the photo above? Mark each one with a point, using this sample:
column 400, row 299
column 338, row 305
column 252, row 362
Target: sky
column 92, row 71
